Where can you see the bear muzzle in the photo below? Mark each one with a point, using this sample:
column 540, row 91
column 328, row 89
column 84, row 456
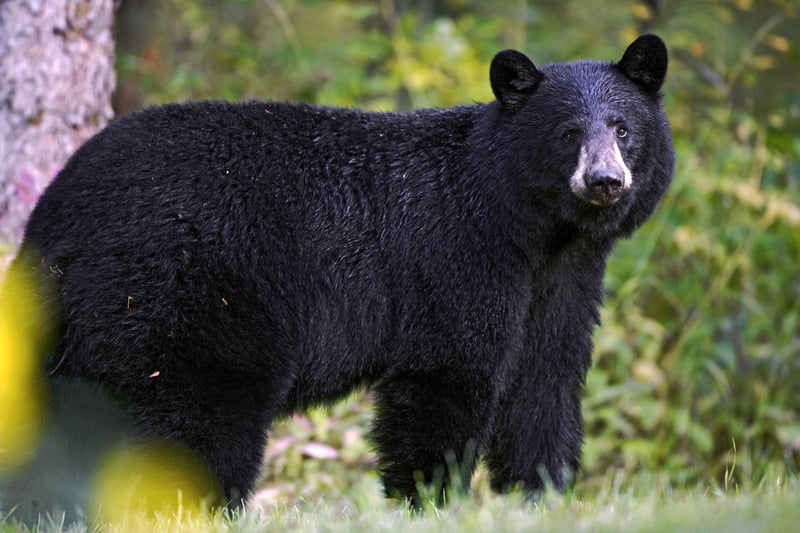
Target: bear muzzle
column 601, row 177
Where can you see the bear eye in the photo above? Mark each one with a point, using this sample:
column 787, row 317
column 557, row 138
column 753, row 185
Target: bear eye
column 622, row 132
column 569, row 137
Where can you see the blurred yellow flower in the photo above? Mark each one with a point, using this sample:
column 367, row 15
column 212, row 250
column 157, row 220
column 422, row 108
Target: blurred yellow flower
column 21, row 385
column 141, row 480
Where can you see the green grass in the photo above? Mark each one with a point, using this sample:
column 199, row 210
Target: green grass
column 647, row 503
column 650, row 508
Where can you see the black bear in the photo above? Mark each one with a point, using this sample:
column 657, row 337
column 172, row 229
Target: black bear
column 212, row 266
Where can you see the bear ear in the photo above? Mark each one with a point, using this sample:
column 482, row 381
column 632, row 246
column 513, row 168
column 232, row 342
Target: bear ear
column 514, row 77
column 645, row 62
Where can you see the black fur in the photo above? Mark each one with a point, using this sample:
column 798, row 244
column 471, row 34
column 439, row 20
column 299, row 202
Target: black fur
column 264, row 257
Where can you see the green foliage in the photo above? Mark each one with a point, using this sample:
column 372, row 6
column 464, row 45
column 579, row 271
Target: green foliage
column 697, row 363
column 318, row 452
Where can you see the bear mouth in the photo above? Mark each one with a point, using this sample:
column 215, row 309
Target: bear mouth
column 600, row 198
column 603, row 201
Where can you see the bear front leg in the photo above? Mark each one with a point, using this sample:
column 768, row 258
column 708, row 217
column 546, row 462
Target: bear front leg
column 429, row 428
column 539, row 431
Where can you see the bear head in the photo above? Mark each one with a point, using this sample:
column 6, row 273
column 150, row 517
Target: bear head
column 588, row 142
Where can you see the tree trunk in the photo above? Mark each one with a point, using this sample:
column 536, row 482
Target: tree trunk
column 56, row 80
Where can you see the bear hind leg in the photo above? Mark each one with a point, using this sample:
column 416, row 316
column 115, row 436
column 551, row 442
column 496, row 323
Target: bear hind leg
column 225, row 428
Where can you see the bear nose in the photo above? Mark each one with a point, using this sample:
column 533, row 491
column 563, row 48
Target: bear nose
column 604, row 184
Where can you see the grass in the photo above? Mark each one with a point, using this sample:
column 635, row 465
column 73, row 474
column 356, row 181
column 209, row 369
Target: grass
column 644, row 504
column 772, row 508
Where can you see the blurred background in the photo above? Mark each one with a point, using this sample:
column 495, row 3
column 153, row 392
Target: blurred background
column 696, row 374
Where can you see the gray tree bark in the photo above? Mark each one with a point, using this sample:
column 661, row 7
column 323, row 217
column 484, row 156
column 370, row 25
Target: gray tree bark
column 56, row 79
